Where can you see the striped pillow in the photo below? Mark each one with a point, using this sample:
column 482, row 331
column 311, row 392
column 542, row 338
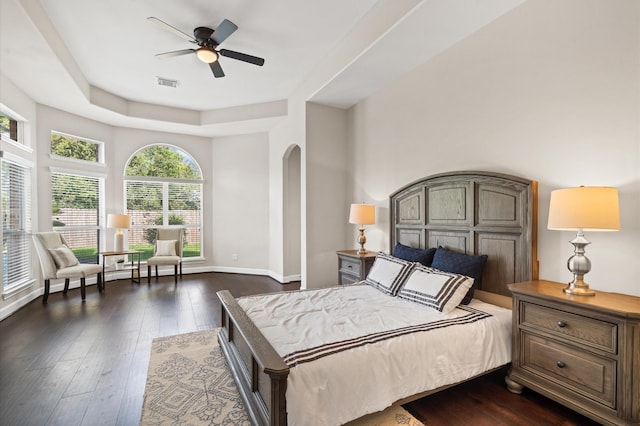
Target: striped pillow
column 388, row 273
column 439, row 290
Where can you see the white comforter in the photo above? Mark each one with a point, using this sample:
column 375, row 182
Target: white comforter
column 346, row 385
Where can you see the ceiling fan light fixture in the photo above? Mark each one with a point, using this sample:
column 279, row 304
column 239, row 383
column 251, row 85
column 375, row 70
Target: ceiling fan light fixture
column 207, row 55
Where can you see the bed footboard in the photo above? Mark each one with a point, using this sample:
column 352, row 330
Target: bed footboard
column 258, row 370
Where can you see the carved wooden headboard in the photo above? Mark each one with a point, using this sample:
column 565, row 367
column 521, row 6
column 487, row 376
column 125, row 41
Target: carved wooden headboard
column 474, row 213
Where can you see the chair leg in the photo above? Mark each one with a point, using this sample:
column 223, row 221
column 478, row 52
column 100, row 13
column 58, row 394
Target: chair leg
column 100, row 283
column 83, row 290
column 180, row 269
column 149, row 274
column 66, row 286
column 156, row 272
column 175, row 273
column 47, row 284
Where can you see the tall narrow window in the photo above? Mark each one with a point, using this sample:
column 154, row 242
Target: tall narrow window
column 15, row 180
column 76, row 212
column 163, row 187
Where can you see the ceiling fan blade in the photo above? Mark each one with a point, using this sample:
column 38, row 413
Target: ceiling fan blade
column 242, row 57
column 174, row 53
column 171, row 29
column 216, row 69
column 224, row 30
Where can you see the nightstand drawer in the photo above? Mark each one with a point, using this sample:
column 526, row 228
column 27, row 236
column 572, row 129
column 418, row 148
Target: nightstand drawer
column 354, row 267
column 588, row 331
column 349, row 279
column 350, row 266
column 577, row 371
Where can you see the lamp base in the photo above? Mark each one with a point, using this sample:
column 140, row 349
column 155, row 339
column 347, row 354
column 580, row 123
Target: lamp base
column 361, row 240
column 579, row 288
column 118, row 242
column 579, row 265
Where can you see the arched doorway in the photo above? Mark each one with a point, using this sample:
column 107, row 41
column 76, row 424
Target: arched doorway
column 292, row 232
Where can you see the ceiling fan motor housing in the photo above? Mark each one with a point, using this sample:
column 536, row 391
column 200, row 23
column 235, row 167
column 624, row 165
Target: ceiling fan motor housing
column 202, row 35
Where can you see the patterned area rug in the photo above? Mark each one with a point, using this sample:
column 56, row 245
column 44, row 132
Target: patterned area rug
column 189, row 383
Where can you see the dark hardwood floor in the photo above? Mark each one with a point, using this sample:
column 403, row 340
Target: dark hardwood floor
column 74, row 363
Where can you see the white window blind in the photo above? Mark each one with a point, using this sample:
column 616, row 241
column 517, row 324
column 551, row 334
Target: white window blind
column 184, row 201
column 16, row 224
column 152, row 204
column 76, row 213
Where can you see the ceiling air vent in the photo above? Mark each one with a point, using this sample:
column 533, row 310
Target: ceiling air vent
column 167, row 82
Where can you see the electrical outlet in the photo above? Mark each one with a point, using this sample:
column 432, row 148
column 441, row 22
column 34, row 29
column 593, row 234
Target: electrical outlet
column 234, row 256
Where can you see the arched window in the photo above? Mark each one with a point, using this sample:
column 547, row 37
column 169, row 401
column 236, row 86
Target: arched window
column 163, row 188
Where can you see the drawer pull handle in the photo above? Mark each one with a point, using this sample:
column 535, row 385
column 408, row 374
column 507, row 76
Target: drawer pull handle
column 350, row 266
column 560, row 364
column 562, row 324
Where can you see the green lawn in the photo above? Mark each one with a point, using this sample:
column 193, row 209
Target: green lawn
column 89, row 254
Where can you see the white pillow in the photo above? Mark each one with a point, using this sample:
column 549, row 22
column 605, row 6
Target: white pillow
column 166, row 248
column 436, row 289
column 63, row 257
column 388, row 273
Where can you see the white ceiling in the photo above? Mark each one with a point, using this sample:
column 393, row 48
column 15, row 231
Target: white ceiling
column 96, row 58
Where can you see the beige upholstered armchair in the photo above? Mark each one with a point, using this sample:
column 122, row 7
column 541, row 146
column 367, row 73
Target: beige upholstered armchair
column 58, row 261
column 168, row 251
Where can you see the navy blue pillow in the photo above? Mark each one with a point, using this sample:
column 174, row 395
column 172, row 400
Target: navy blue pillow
column 414, row 254
column 463, row 264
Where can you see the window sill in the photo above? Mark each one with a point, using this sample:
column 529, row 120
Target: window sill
column 8, row 293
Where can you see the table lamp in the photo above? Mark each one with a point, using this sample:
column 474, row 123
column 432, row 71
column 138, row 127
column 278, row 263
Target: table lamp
column 119, row 222
column 585, row 208
column 362, row 214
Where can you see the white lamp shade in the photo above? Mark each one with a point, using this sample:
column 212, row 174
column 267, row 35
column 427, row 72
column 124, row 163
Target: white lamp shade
column 119, row 221
column 362, row 214
column 591, row 208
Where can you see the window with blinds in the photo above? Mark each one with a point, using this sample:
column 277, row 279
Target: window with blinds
column 16, row 224
column 76, row 213
column 155, row 204
column 163, row 187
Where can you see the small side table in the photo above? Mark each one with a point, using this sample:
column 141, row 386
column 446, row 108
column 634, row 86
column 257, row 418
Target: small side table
column 354, row 267
column 133, row 266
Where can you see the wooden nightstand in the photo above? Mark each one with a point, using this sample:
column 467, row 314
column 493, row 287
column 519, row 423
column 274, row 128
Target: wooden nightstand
column 354, row 267
column 583, row 352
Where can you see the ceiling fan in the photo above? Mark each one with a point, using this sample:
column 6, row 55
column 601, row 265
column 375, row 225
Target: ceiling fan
column 208, row 40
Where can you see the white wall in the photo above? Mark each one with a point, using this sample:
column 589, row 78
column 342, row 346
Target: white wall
column 326, row 189
column 240, row 197
column 550, row 92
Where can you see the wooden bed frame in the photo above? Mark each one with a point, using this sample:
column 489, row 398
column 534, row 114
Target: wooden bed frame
column 471, row 212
